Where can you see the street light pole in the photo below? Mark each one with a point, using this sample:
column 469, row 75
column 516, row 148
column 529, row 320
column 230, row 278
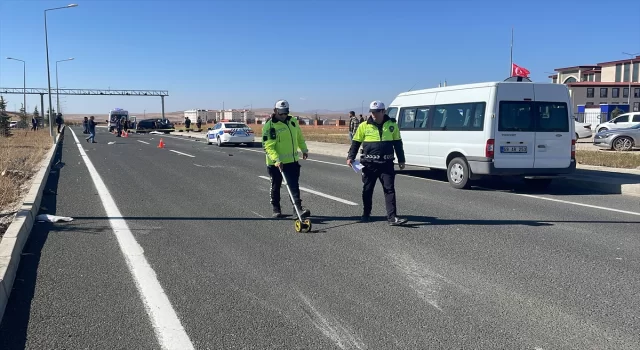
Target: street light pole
column 632, row 55
column 46, row 40
column 24, row 83
column 57, row 88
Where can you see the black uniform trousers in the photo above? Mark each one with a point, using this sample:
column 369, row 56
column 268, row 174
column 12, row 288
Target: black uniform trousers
column 292, row 173
column 385, row 173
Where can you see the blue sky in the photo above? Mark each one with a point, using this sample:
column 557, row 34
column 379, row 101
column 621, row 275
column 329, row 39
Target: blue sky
column 316, row 54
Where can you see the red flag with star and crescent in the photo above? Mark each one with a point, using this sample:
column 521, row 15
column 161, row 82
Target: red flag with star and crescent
column 517, row 71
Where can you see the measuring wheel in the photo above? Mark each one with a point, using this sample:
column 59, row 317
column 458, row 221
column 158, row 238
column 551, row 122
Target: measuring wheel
column 303, row 226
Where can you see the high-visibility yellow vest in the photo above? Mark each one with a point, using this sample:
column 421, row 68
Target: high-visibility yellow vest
column 282, row 139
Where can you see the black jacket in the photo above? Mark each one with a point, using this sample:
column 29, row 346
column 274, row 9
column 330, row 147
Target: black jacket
column 379, row 142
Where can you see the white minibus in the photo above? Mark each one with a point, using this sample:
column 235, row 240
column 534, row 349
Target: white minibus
column 489, row 129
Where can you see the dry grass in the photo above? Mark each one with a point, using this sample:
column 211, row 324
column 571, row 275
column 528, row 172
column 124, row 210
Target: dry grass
column 330, row 134
column 628, row 160
column 20, row 154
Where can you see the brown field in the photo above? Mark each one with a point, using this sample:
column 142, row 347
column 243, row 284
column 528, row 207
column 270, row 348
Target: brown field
column 628, row 160
column 330, row 134
column 20, row 154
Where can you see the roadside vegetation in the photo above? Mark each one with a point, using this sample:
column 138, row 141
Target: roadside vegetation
column 613, row 159
column 330, row 134
column 21, row 151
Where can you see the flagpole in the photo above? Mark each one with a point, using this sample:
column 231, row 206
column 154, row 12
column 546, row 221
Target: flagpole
column 511, row 55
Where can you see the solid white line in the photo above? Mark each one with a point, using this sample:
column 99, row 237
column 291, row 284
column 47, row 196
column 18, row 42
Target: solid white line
column 251, row 150
column 143, row 142
column 184, row 154
column 578, row 204
column 318, row 193
column 322, row 161
column 165, row 321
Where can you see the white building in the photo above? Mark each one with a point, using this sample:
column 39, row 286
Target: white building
column 204, row 114
column 233, row 115
column 248, row 116
column 236, row 115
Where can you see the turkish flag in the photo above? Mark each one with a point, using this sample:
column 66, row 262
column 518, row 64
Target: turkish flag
column 517, row 71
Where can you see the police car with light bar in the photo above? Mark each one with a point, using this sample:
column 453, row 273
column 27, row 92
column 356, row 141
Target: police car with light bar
column 225, row 133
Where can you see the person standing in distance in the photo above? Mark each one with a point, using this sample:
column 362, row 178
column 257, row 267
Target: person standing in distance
column 379, row 137
column 281, row 139
column 353, row 124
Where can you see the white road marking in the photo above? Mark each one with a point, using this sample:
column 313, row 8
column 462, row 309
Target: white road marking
column 252, row 150
column 258, row 214
column 345, row 165
column 165, row 321
column 184, row 154
column 332, row 328
column 318, row 193
column 145, row 142
column 185, row 138
column 578, row 204
column 426, row 283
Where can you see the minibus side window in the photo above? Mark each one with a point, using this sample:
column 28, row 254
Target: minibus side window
column 392, row 112
column 422, row 118
column 407, row 118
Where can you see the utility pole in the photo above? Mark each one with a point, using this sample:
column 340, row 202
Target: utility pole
column 632, row 55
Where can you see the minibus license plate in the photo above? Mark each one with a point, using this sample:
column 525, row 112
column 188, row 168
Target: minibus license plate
column 513, row 149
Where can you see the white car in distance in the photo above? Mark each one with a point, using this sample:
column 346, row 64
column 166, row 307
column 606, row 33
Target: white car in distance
column 623, row 121
column 583, row 130
column 230, row 133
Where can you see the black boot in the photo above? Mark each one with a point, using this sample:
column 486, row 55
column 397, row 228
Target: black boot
column 277, row 213
column 396, row 221
column 304, row 212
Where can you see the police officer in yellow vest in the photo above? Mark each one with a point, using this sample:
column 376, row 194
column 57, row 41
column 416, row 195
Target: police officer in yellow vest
column 379, row 137
column 281, row 139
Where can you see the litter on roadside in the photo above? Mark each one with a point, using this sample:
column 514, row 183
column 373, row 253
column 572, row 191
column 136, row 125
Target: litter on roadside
column 52, row 218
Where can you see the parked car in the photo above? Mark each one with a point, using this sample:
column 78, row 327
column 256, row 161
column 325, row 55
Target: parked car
column 230, row 133
column 623, row 121
column 583, row 130
column 13, row 124
column 619, row 139
column 148, row 125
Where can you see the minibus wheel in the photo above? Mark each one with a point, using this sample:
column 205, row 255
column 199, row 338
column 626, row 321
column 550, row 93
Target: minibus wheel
column 458, row 173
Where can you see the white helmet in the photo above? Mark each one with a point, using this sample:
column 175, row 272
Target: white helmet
column 282, row 106
column 376, row 106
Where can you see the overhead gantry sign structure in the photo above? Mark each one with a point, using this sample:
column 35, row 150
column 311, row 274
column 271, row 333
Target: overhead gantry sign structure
column 86, row 92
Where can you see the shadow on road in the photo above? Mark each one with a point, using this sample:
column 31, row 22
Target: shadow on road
column 414, row 220
column 15, row 321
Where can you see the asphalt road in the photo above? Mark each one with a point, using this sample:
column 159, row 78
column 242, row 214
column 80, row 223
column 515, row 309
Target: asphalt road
column 489, row 268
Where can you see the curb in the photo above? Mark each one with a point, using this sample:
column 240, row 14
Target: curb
column 18, row 232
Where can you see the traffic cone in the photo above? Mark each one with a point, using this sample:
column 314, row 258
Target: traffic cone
column 161, row 144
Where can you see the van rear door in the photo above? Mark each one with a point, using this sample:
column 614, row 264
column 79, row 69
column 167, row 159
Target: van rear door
column 553, row 126
column 515, row 128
